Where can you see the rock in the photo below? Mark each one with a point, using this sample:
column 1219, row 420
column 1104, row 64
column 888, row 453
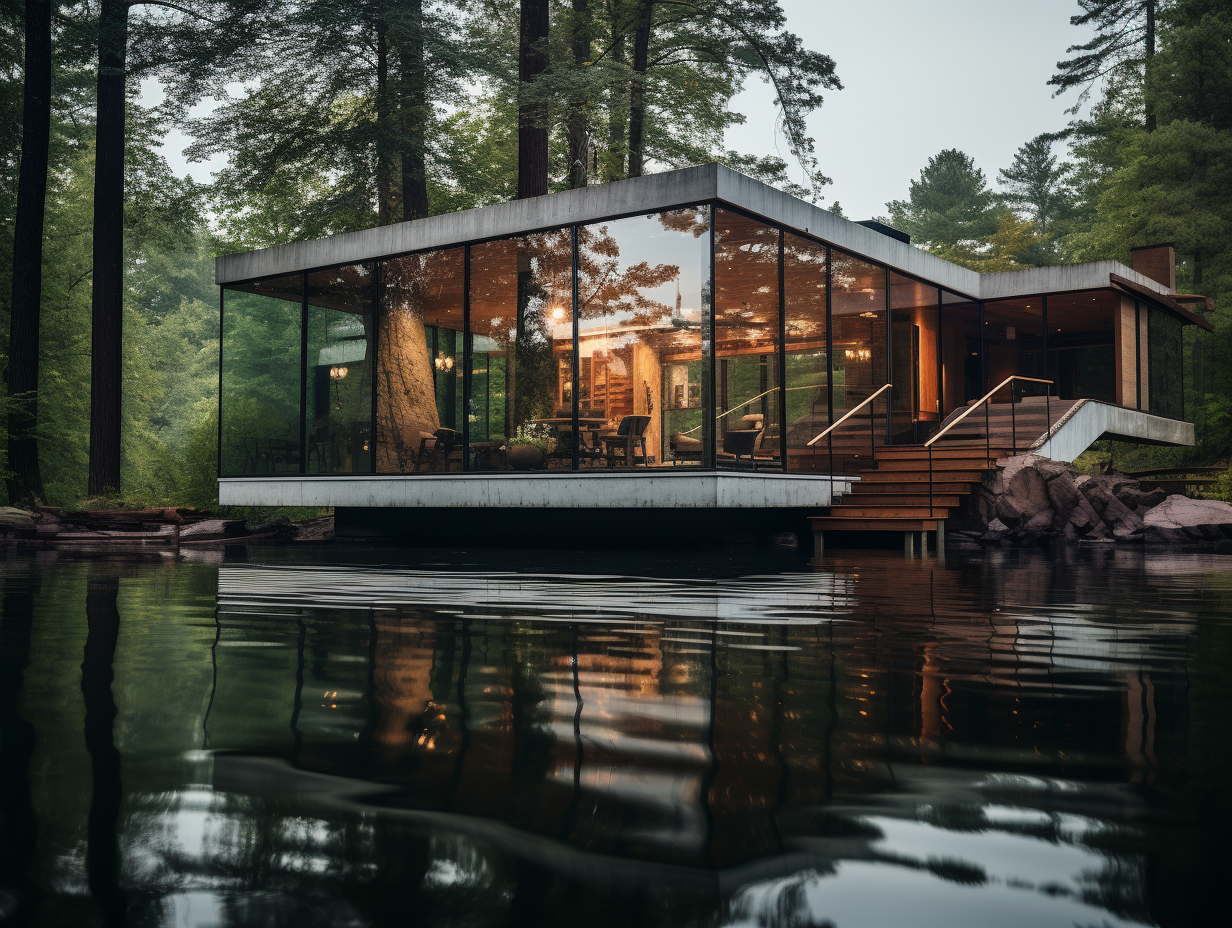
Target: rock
column 1197, row 518
column 996, row 530
column 1038, row 524
column 1071, row 506
column 211, row 527
column 322, row 529
column 1050, row 470
column 15, row 520
column 996, row 525
column 1120, row 518
column 1029, row 487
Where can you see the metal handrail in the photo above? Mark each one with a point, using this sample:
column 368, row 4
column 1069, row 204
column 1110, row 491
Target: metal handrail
column 847, row 415
column 985, row 401
column 727, row 412
column 987, row 396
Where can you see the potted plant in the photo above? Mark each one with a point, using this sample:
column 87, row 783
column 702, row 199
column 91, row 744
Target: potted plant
column 528, row 449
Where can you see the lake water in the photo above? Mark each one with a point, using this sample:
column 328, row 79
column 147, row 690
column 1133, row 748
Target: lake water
column 351, row 737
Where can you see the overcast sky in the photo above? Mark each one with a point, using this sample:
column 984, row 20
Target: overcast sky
column 918, row 77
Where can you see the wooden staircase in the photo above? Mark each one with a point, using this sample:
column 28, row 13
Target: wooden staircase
column 899, row 490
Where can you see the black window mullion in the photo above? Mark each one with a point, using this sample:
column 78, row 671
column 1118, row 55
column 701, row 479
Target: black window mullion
column 889, row 360
column 303, row 376
column 576, row 359
column 467, row 360
column 710, row 396
column 829, row 336
column 782, row 352
column 372, row 362
column 221, row 314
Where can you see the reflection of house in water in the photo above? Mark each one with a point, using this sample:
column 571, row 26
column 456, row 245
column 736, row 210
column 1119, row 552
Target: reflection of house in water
column 695, row 332
column 728, row 742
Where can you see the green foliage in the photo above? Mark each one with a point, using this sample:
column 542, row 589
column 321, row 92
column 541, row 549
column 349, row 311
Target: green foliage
column 950, row 206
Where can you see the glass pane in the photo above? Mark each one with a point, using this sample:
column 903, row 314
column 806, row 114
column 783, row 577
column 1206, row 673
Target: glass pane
column 339, row 399
column 808, row 368
column 914, row 312
column 1014, row 338
column 521, row 323
column 962, row 372
column 419, row 382
column 746, row 271
column 644, row 315
column 858, row 301
column 261, row 377
column 1082, row 345
column 1164, row 340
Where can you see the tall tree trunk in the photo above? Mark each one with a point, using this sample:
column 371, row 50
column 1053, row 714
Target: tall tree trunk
column 637, row 92
column 384, row 129
column 413, row 104
column 617, row 141
column 106, row 355
column 26, row 481
column 1150, row 53
column 579, row 128
column 532, row 106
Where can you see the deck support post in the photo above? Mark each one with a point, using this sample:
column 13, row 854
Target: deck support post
column 909, row 543
column 819, row 544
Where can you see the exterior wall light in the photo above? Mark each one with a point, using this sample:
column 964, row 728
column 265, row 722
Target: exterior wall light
column 858, row 354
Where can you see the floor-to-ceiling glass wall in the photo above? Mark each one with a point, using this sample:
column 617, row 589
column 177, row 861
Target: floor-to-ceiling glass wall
column 1014, row 339
column 643, row 321
column 521, row 327
column 419, row 369
column 806, row 361
column 1165, row 353
column 261, row 377
column 1082, row 335
column 915, row 362
column 338, row 402
column 858, row 358
column 746, row 271
column 962, row 339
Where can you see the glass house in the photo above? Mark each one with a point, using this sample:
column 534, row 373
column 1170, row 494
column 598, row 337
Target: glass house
column 694, row 322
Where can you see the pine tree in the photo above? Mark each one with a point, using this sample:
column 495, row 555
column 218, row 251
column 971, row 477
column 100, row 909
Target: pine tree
column 1035, row 185
column 949, row 206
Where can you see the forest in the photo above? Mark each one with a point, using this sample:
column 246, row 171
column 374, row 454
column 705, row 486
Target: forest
column 332, row 117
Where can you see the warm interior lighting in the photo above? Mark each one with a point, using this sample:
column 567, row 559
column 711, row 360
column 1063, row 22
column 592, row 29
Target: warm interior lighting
column 558, row 313
column 858, row 354
column 869, row 315
column 337, row 373
column 444, row 363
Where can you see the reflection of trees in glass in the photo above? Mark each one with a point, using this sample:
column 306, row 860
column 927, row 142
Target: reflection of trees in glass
column 260, row 377
column 416, row 291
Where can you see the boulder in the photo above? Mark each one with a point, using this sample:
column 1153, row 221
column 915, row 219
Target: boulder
column 1197, row 519
column 1123, row 521
column 996, row 530
column 1028, row 486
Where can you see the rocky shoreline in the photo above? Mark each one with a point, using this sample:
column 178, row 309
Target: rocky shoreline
column 161, row 528
column 1030, row 500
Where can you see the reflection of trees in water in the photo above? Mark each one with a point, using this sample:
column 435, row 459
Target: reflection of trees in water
column 609, row 749
column 18, row 825
column 102, row 850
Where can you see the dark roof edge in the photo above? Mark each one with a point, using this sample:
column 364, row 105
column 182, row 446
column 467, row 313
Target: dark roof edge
column 1162, row 302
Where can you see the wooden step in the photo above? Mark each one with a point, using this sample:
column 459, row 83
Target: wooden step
column 917, row 465
column 831, row 524
column 961, row 488
column 905, row 499
column 939, row 453
column 909, row 476
column 889, row 512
